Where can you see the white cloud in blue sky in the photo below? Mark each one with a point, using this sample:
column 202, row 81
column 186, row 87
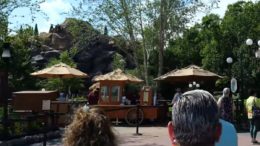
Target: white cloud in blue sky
column 54, row 8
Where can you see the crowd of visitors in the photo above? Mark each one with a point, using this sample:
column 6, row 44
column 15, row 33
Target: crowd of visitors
column 197, row 120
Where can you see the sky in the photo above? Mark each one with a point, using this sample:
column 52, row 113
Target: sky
column 54, row 9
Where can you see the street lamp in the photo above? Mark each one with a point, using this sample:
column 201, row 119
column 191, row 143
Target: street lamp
column 6, row 55
column 194, row 85
column 229, row 60
column 250, row 42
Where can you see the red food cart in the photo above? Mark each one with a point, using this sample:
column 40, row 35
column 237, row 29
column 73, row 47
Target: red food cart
column 111, row 96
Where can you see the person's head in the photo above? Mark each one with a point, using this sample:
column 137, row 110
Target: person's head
column 226, row 92
column 195, row 120
column 90, row 127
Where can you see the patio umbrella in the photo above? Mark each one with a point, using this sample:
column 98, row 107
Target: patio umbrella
column 60, row 70
column 188, row 74
column 117, row 75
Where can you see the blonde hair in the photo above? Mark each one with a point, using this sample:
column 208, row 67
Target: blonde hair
column 89, row 128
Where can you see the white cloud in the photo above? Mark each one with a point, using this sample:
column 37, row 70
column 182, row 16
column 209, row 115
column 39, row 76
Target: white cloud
column 53, row 10
column 223, row 7
column 220, row 10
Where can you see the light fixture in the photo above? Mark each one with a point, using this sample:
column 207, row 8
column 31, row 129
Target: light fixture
column 197, row 85
column 249, row 42
column 6, row 52
column 190, row 85
column 229, row 60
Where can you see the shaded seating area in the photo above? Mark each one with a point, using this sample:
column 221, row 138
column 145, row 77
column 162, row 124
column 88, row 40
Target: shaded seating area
column 190, row 77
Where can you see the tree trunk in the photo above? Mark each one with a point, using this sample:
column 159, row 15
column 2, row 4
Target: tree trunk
column 145, row 59
column 161, row 39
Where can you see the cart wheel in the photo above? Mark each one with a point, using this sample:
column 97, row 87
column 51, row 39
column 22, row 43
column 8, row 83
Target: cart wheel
column 131, row 116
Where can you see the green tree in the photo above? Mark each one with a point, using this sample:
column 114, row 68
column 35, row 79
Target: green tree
column 20, row 65
column 8, row 6
column 118, row 62
column 71, row 85
column 51, row 28
column 105, row 31
column 36, row 32
column 241, row 21
column 212, row 52
column 3, row 26
column 130, row 18
column 171, row 20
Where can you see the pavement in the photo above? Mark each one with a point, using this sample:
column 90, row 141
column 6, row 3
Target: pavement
column 151, row 136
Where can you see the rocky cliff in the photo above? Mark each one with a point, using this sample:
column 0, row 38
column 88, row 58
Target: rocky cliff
column 95, row 50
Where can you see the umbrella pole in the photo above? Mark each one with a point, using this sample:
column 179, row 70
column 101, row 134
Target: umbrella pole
column 61, row 85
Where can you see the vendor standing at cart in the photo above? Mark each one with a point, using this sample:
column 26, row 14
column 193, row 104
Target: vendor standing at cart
column 93, row 96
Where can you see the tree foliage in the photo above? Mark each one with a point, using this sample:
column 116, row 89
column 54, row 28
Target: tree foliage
column 8, row 6
column 20, row 65
column 151, row 22
column 210, row 42
column 72, row 85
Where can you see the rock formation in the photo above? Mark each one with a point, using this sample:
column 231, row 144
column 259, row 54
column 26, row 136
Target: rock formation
column 95, row 50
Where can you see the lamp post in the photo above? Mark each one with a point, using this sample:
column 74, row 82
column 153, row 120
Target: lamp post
column 6, row 55
column 248, row 42
column 229, row 60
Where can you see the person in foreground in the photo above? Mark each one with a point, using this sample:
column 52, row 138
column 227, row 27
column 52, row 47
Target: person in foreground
column 90, row 127
column 195, row 120
column 228, row 135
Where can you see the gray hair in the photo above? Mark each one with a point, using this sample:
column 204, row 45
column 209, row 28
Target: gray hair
column 226, row 92
column 195, row 116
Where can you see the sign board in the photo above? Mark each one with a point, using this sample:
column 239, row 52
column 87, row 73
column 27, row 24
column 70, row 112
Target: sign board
column 233, row 85
column 46, row 105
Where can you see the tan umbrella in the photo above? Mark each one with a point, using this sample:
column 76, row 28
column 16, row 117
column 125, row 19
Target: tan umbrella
column 189, row 73
column 117, row 75
column 60, row 70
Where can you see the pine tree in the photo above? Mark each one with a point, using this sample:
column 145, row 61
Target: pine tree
column 105, row 31
column 21, row 29
column 51, row 28
column 36, row 32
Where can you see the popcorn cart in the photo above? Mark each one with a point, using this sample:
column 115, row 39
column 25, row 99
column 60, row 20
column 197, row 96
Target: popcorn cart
column 112, row 93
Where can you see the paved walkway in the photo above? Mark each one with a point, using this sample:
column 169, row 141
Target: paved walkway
column 151, row 136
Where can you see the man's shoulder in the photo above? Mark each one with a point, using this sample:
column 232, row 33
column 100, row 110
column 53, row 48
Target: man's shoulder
column 229, row 134
column 228, row 125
